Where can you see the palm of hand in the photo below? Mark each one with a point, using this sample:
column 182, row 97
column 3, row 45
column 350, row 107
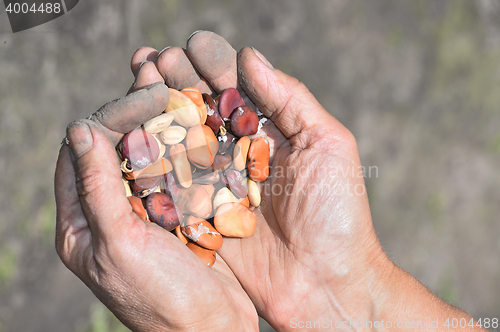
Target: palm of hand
column 311, row 215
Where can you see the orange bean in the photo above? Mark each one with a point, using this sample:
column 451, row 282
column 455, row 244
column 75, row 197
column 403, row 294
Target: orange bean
column 258, row 159
column 207, row 256
column 181, row 236
column 195, row 95
column 240, row 153
column 138, row 208
column 202, row 146
column 235, row 220
column 195, row 201
column 202, row 233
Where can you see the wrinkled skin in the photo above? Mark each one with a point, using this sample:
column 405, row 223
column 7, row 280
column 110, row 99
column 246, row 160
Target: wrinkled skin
column 314, row 253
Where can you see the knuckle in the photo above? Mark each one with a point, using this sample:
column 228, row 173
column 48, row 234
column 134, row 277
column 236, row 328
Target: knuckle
column 91, row 179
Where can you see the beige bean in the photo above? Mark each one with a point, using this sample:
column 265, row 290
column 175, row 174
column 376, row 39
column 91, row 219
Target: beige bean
column 162, row 147
column 173, row 135
column 224, row 195
column 253, row 193
column 195, row 95
column 159, row 167
column 128, row 192
column 184, row 110
column 158, row 123
column 181, row 165
column 129, row 175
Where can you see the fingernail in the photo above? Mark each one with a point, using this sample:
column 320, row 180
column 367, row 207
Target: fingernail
column 194, row 33
column 262, row 58
column 79, row 137
column 142, row 63
column 154, row 85
column 166, row 48
column 137, row 76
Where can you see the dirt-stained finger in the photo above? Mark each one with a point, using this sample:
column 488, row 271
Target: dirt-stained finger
column 148, row 74
column 141, row 55
column 123, row 115
column 178, row 71
column 214, row 58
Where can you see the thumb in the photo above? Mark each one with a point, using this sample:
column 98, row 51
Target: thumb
column 98, row 179
column 285, row 100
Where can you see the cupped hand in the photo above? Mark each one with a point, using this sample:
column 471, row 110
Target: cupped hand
column 314, row 253
column 145, row 275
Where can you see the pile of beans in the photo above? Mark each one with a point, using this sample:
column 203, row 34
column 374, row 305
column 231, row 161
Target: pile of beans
column 193, row 170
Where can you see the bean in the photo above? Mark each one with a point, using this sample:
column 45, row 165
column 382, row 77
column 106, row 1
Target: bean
column 202, row 145
column 235, row 220
column 258, row 159
column 195, row 201
column 240, row 153
column 181, row 165
column 195, row 95
column 185, row 112
column 138, row 207
column 253, row 193
column 202, row 233
column 158, row 123
column 195, row 171
column 173, row 135
column 224, row 195
column 207, row 256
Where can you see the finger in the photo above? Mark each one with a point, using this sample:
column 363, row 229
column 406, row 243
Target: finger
column 98, row 181
column 178, row 72
column 214, row 58
column 72, row 232
column 148, row 74
column 125, row 114
column 285, row 100
column 141, row 55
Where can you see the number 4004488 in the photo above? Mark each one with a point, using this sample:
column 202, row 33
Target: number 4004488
column 24, row 8
column 462, row 323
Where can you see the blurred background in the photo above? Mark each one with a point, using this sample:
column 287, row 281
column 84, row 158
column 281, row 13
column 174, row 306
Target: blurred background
column 417, row 82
